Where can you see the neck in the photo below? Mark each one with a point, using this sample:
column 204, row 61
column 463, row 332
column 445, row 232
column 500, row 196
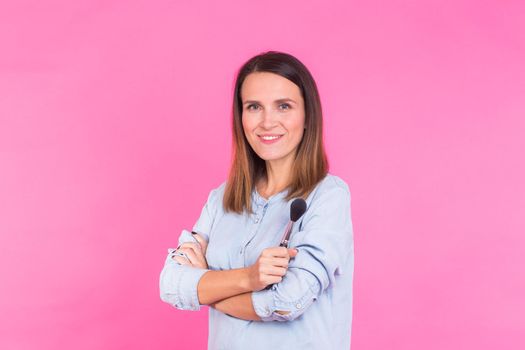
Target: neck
column 278, row 176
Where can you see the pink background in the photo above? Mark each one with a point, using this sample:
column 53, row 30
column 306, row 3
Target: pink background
column 115, row 125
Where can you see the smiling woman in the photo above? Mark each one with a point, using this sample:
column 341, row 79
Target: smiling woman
column 233, row 255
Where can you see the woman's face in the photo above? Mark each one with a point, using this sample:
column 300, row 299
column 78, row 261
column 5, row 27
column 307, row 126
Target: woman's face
column 272, row 116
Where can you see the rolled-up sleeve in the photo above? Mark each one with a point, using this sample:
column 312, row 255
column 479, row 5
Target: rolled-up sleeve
column 178, row 283
column 324, row 244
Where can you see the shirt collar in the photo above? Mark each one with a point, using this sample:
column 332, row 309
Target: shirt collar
column 260, row 200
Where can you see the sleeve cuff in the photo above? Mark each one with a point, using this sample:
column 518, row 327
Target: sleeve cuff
column 178, row 285
column 190, row 277
column 267, row 301
column 263, row 304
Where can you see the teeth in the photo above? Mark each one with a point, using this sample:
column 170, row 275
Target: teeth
column 268, row 138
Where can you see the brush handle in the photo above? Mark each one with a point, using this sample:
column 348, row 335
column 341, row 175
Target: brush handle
column 286, row 235
column 284, row 241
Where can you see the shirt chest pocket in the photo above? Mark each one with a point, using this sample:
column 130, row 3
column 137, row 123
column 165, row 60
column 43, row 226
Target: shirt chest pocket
column 225, row 243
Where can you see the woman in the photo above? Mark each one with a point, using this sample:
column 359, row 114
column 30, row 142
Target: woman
column 233, row 255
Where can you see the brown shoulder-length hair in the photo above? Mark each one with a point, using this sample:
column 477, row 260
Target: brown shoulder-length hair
column 310, row 165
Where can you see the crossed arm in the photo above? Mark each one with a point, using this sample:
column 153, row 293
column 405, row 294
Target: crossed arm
column 240, row 306
column 230, row 291
column 214, row 285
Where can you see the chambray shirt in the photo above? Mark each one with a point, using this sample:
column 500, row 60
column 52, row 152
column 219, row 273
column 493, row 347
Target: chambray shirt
column 316, row 289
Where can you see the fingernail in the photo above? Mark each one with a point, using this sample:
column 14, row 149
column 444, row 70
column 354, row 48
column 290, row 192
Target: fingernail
column 193, row 233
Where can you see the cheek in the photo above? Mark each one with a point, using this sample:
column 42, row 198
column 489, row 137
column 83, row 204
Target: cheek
column 244, row 125
column 296, row 125
column 247, row 123
column 247, row 127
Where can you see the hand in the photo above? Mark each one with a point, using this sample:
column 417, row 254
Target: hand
column 269, row 268
column 195, row 253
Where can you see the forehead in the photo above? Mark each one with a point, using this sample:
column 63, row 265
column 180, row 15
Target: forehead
column 263, row 86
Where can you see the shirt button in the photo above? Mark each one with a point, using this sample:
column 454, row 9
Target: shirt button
column 298, row 306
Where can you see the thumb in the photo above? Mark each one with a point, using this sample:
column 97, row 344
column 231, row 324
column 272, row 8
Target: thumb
column 293, row 252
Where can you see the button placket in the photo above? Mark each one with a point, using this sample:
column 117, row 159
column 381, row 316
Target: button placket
column 259, row 205
column 256, row 216
column 259, row 213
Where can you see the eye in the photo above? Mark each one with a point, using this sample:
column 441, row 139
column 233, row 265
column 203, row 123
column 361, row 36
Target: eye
column 287, row 105
column 250, row 106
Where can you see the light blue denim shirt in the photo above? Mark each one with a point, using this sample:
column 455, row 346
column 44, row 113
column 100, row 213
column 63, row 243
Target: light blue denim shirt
column 317, row 287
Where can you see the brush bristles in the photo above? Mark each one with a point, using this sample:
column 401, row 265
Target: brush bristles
column 297, row 209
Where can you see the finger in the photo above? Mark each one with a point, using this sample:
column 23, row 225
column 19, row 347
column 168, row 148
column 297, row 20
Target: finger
column 276, row 271
column 281, row 262
column 190, row 253
column 274, row 279
column 293, row 252
column 201, row 241
column 273, row 261
column 196, row 249
column 193, row 245
column 182, row 260
column 277, row 251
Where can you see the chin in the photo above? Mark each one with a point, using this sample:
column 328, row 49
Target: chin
column 271, row 157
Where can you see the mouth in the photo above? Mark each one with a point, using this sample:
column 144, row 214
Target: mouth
column 269, row 138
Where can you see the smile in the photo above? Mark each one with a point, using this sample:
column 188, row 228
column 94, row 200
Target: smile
column 269, row 138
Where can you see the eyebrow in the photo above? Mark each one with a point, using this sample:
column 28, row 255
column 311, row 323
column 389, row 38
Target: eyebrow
column 279, row 100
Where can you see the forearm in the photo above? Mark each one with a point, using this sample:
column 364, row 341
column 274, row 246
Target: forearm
column 216, row 285
column 239, row 306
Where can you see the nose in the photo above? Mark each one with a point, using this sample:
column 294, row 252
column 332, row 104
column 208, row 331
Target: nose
column 269, row 120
